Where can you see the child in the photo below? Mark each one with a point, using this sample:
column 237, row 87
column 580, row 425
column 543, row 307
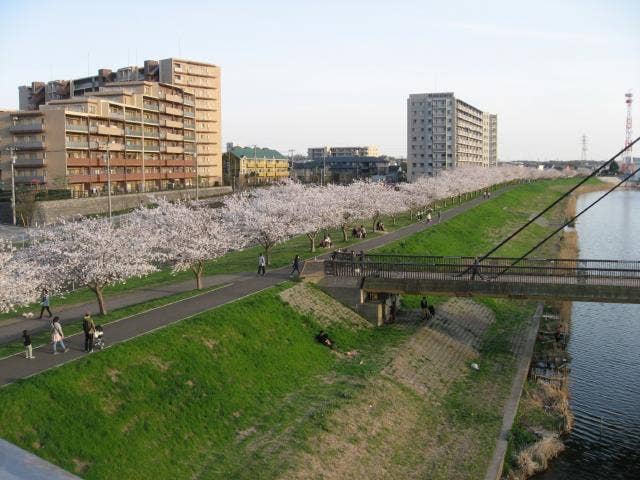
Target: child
column 27, row 344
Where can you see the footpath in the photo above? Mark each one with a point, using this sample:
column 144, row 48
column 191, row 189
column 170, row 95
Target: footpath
column 238, row 286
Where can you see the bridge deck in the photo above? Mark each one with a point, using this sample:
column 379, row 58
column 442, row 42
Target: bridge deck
column 564, row 279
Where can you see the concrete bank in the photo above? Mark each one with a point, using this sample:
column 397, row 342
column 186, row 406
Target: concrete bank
column 18, row 464
column 494, row 472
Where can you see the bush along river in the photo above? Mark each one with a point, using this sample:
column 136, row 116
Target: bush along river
column 605, row 349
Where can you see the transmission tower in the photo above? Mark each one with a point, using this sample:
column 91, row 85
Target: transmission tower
column 628, row 99
column 584, row 148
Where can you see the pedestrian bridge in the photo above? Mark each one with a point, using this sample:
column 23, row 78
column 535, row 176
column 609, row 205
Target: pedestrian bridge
column 613, row 281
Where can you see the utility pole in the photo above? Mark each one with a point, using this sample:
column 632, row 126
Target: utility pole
column 324, row 167
column 13, row 185
column 108, row 161
column 584, row 148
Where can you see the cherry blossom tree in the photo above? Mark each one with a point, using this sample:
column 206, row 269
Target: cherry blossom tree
column 94, row 253
column 186, row 236
column 263, row 216
column 19, row 278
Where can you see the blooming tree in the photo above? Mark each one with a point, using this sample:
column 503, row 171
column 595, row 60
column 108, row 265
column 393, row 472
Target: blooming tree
column 95, row 253
column 19, row 278
column 263, row 216
column 187, row 236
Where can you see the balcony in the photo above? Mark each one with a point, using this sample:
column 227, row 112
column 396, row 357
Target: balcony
column 131, row 132
column 76, row 127
column 113, row 147
column 151, row 121
column 28, row 145
column 173, row 98
column 134, row 146
column 30, row 179
column 150, row 106
column 171, row 123
column 31, row 162
column 152, row 148
column 189, row 114
column 189, row 101
column 189, row 137
column 190, row 126
column 173, row 111
column 116, row 115
column 133, row 118
column 27, row 127
column 84, row 145
column 106, row 130
column 171, row 136
column 151, row 134
column 82, row 178
column 170, row 149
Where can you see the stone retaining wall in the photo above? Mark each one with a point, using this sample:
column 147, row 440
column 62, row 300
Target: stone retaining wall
column 48, row 212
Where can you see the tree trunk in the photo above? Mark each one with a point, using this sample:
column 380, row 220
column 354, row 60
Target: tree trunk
column 99, row 291
column 375, row 221
column 344, row 232
column 312, row 241
column 267, row 251
column 411, row 214
column 197, row 270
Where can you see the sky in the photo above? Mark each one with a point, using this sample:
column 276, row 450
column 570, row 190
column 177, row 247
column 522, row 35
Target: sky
column 298, row 74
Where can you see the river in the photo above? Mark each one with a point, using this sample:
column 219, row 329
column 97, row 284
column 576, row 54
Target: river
column 605, row 350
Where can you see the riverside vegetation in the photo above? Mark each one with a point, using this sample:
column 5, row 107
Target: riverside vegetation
column 245, row 388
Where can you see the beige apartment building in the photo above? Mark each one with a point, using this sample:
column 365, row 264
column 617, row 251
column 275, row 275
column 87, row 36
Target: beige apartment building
column 317, row 153
column 197, row 80
column 444, row 132
column 254, row 166
column 139, row 136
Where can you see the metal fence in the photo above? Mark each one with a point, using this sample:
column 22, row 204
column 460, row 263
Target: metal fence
column 559, row 271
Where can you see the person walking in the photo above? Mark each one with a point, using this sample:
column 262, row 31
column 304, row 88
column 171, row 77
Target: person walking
column 295, row 266
column 262, row 265
column 27, row 344
column 57, row 336
column 475, row 269
column 424, row 306
column 89, row 328
column 428, row 217
column 44, row 303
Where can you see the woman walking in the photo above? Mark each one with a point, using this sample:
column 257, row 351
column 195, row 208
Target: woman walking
column 57, row 336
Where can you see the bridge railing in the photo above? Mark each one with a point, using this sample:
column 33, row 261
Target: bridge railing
column 569, row 271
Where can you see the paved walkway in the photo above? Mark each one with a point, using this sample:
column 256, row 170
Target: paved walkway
column 11, row 330
column 17, row 367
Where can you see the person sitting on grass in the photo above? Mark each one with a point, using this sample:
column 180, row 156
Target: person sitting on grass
column 324, row 339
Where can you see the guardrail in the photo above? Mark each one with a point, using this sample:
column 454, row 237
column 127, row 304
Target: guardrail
column 557, row 271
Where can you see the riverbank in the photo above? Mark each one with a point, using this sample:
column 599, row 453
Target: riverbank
column 544, row 415
column 245, row 388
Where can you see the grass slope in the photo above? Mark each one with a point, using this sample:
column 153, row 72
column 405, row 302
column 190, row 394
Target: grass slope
column 223, row 395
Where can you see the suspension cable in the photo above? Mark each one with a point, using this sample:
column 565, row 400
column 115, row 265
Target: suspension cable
column 568, row 222
column 562, row 197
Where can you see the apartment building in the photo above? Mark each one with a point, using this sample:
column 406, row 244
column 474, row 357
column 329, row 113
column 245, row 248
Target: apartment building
column 444, row 132
column 254, row 166
column 341, row 169
column 139, row 136
column 202, row 80
column 318, row 153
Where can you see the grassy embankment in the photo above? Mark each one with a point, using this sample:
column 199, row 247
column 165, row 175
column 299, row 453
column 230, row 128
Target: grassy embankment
column 240, row 261
column 244, row 389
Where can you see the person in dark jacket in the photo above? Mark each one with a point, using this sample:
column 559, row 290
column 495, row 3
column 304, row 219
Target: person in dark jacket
column 424, row 306
column 44, row 303
column 295, row 266
column 27, row 344
column 89, row 328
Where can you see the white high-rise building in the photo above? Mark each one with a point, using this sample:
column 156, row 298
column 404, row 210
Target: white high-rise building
column 443, row 132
